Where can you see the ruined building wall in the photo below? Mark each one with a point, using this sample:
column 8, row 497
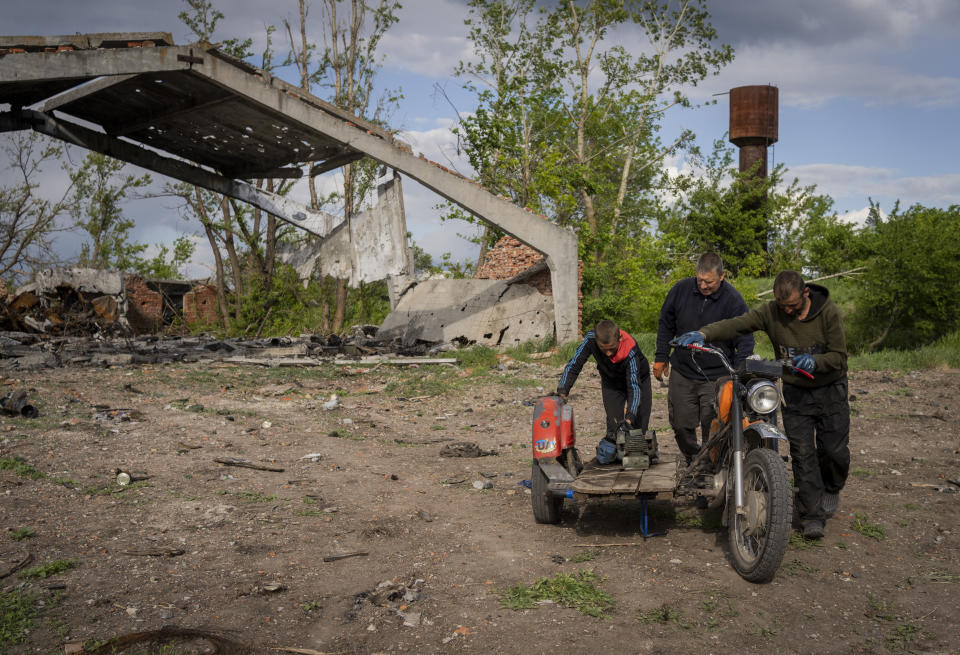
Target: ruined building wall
column 144, row 305
column 200, row 304
column 509, row 258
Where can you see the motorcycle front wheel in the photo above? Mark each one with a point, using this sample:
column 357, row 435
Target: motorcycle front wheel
column 758, row 537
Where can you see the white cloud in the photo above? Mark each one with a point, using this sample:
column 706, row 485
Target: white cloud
column 838, row 180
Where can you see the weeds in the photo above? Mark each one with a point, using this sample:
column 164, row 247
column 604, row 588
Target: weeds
column 662, row 614
column 22, row 533
column 312, row 606
column 942, row 577
column 861, row 524
column 796, row 567
column 799, row 542
column 249, row 496
column 584, row 556
column 863, row 473
column 346, row 434
column 902, row 636
column 880, row 610
column 46, row 570
column 576, row 591
column 20, row 466
column 763, row 632
column 911, row 506
column 19, row 611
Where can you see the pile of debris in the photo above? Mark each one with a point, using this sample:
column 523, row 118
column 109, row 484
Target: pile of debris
column 25, row 351
column 86, row 301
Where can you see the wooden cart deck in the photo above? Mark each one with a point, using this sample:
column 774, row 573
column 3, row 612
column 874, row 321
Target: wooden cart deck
column 610, row 479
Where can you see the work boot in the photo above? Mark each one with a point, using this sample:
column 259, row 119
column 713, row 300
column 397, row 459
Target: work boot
column 829, row 504
column 812, row 529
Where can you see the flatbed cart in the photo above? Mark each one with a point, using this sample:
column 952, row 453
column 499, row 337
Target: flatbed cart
column 558, row 472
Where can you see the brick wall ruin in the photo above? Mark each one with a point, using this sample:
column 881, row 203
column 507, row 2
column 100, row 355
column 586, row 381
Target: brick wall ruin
column 200, row 304
column 509, row 258
column 144, row 305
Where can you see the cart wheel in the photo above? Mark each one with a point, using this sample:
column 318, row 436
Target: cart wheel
column 546, row 508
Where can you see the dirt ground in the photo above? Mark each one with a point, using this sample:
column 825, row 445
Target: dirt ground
column 431, row 554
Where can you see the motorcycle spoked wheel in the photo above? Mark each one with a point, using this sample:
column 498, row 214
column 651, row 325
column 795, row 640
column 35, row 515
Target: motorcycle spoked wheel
column 546, row 507
column 758, row 538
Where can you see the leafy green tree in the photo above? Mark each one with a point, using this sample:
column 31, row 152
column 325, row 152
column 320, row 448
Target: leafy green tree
column 568, row 121
column 28, row 221
column 99, row 189
column 758, row 226
column 908, row 295
column 167, row 264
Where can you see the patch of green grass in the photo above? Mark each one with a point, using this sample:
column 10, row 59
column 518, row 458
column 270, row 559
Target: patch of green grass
column 842, row 545
column 477, row 357
column 584, row 556
column 67, row 482
column 437, row 427
column 798, row 542
column 796, row 567
column 249, row 496
column 944, row 353
column 309, row 512
column 346, row 434
column 20, row 466
column 688, row 520
column 307, row 500
column 311, row 606
column 902, row 636
column 942, row 577
column 48, row 569
column 19, row 611
column 663, row 614
column 880, row 610
column 763, row 632
column 911, row 506
column 576, row 591
column 22, row 533
column 863, row 473
column 861, row 523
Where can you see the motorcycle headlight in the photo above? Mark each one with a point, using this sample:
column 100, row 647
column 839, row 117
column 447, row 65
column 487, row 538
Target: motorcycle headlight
column 763, row 397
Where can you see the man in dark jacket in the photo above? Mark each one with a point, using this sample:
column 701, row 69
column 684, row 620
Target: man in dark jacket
column 805, row 328
column 692, row 303
column 624, row 381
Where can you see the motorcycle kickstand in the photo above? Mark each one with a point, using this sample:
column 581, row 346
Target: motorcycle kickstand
column 644, row 514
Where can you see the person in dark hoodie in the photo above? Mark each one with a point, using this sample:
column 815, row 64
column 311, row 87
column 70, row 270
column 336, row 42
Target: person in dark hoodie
column 692, row 303
column 805, row 328
column 624, row 381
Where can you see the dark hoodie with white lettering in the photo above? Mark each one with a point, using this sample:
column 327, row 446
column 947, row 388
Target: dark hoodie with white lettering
column 819, row 334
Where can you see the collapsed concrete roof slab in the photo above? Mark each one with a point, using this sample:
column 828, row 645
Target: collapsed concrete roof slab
column 491, row 313
column 197, row 115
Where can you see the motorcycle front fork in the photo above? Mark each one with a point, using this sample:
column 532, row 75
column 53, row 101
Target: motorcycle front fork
column 737, row 436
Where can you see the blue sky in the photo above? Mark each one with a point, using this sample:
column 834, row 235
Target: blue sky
column 869, row 91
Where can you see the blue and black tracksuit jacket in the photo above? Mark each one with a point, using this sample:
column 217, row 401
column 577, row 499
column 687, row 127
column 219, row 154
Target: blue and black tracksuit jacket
column 627, row 372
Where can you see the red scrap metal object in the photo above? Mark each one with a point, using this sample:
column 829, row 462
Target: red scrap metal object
column 553, row 427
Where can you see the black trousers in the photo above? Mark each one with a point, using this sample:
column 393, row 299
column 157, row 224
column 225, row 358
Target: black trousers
column 817, row 423
column 690, row 405
column 615, row 402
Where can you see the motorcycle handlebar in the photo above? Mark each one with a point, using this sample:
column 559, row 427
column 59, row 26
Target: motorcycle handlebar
column 726, row 363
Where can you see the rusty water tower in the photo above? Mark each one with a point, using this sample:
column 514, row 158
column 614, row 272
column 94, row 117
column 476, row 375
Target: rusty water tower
column 753, row 123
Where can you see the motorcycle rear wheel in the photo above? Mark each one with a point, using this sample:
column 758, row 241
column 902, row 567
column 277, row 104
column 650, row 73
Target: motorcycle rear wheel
column 546, row 507
column 759, row 537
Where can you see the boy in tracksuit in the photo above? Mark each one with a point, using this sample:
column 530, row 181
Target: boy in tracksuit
column 624, row 381
column 805, row 328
